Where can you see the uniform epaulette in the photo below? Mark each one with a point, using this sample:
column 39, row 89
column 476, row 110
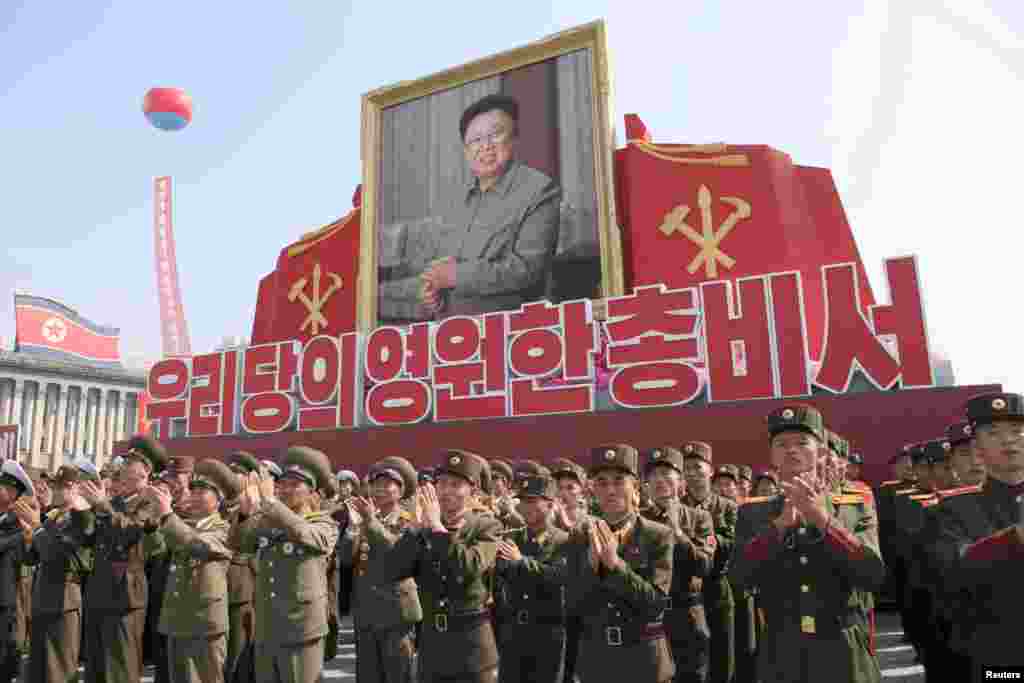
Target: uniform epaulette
column 757, row 499
column 903, row 492
column 848, row 499
column 894, row 482
column 863, row 490
column 316, row 516
column 949, row 493
column 923, row 496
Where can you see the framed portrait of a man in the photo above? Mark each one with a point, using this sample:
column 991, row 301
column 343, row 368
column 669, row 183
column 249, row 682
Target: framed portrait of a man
column 489, row 185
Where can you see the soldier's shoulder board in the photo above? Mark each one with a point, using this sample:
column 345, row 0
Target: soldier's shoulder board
column 886, row 484
column 317, row 516
column 903, row 492
column 848, row 499
column 952, row 493
column 756, row 499
column 406, row 516
column 922, row 497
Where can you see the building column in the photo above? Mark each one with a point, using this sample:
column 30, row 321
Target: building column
column 101, row 426
column 38, row 424
column 111, row 420
column 57, row 452
column 84, row 422
column 122, row 398
column 5, row 401
column 18, row 397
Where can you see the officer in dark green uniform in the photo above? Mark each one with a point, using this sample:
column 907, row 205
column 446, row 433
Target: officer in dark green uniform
column 809, row 550
column 126, row 537
column 62, row 565
column 571, row 513
column 385, row 613
column 452, row 559
column 618, row 575
column 239, row 657
column 532, row 608
column 693, row 557
column 725, row 482
column 505, row 502
column 292, row 540
column 194, row 617
column 980, row 537
column 718, row 596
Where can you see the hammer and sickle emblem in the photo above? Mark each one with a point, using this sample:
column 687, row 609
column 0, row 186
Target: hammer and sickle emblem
column 314, row 306
column 709, row 238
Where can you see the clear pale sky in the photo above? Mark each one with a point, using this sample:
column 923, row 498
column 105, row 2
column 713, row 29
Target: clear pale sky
column 915, row 106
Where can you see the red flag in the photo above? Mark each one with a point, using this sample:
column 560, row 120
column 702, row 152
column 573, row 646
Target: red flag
column 51, row 329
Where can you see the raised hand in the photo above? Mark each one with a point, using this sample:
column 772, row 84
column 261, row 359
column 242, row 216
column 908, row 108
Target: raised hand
column 93, row 492
column 507, row 550
column 609, row 555
column 161, row 497
column 427, row 498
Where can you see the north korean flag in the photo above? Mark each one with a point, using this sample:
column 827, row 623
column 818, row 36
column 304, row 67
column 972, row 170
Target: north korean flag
column 50, row 329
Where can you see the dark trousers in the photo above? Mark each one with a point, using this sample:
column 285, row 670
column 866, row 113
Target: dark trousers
column 54, row 647
column 239, row 661
column 690, row 640
column 532, row 653
column 385, row 655
column 488, row 676
column 746, row 638
column 573, row 633
column 719, row 608
column 10, row 657
column 115, row 646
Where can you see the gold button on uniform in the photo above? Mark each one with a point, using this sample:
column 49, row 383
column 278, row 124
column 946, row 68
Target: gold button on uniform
column 805, row 588
column 803, row 559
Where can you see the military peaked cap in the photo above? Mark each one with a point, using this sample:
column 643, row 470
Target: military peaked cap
column 959, row 432
column 728, row 471
column 148, row 451
column 838, row 445
column 216, row 476
column 14, row 475
column 399, row 469
column 989, row 408
column 665, row 455
column 698, row 450
column 243, row 462
column 563, row 467
column 916, row 452
column 459, row 463
column 500, row 467
column 618, row 456
column 797, row 417
column 936, row 451
column 530, row 468
column 538, row 487
column 310, row 466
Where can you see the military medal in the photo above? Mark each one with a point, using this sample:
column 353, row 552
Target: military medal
column 288, row 548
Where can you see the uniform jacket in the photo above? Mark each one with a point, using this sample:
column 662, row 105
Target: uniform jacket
column 12, row 557
column 290, row 596
column 63, row 564
column 694, row 550
column 196, row 595
column 240, row 570
column 122, row 541
column 980, row 548
column 810, row 582
column 723, row 516
column 627, row 604
column 532, row 592
column 379, row 603
column 454, row 572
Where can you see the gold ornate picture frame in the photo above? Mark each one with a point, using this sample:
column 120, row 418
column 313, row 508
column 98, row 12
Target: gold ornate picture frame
column 587, row 42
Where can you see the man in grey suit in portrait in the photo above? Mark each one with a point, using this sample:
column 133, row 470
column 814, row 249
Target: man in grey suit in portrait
column 491, row 247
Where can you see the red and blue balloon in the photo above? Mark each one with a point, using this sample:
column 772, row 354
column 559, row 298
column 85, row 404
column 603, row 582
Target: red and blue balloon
column 168, row 109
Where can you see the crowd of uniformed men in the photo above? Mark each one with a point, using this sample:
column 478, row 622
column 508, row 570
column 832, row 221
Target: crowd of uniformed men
column 613, row 565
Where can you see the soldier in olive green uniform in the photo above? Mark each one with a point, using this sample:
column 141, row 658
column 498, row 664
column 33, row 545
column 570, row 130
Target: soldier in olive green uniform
column 452, row 559
column 719, row 604
column 125, row 537
column 17, row 523
column 239, row 658
column 532, row 608
column 571, row 513
column 618, row 575
column 62, row 566
column 746, row 481
column 384, row 613
column 195, row 610
column 502, row 482
column 292, row 542
column 693, row 556
column 980, row 536
column 810, row 551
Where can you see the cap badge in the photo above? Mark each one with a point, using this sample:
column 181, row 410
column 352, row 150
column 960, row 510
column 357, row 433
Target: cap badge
column 999, row 404
column 968, row 430
column 788, row 414
column 689, row 448
column 656, row 455
column 609, row 455
column 454, row 460
column 945, row 445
